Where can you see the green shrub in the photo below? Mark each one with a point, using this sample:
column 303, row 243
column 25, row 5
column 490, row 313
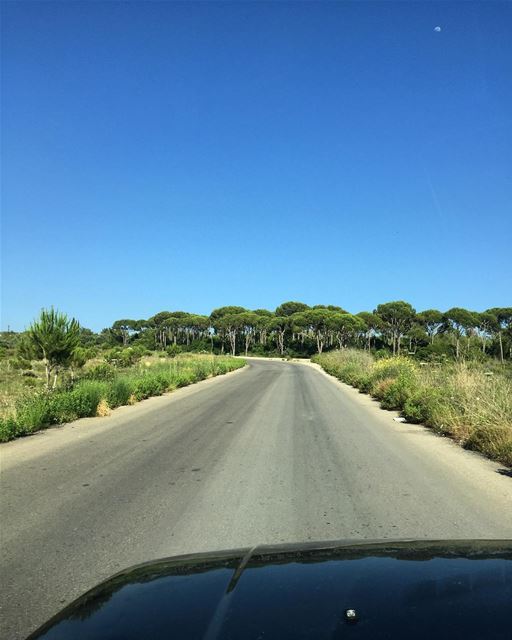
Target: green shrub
column 62, row 408
column 138, row 351
column 150, row 384
column 9, row 428
column 365, row 383
column 81, row 402
column 102, row 371
column 123, row 357
column 426, row 405
column 398, row 392
column 119, row 393
column 392, row 368
column 184, row 378
column 34, row 413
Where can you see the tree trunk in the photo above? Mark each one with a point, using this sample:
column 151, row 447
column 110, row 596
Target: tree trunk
column 501, row 347
column 232, row 339
column 48, row 372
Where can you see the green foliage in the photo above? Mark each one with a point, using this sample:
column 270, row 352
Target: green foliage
column 393, row 326
column 425, row 405
column 86, row 396
column 26, row 349
column 119, row 392
column 20, row 363
column 216, row 314
column 101, row 371
column 123, row 357
column 32, row 414
column 431, row 320
column 39, row 411
column 54, row 338
column 151, row 384
column 398, row 391
column 79, row 357
column 398, row 317
column 289, row 308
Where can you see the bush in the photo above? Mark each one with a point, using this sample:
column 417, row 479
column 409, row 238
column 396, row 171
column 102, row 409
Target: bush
column 432, row 406
column 102, row 371
column 398, row 392
column 119, row 393
column 87, row 396
column 9, row 428
column 392, row 368
column 184, row 378
column 34, row 413
column 140, row 350
column 81, row 402
column 150, row 384
column 124, row 357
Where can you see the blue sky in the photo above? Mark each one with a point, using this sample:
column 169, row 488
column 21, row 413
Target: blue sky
column 160, row 155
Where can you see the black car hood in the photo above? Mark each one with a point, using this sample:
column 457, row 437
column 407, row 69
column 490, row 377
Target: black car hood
column 402, row 589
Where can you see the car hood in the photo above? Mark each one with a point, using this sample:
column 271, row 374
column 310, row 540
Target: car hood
column 398, row 589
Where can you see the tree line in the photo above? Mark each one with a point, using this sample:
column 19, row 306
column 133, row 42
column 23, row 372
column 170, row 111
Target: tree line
column 294, row 328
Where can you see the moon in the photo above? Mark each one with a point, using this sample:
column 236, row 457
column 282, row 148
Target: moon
column 437, row 29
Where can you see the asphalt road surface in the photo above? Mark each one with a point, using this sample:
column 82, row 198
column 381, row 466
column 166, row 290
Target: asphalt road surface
column 276, row 452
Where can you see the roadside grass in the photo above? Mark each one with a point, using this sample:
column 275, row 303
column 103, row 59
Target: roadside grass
column 17, row 382
column 101, row 388
column 470, row 402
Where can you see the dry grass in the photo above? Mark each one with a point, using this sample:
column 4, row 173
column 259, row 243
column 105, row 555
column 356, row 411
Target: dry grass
column 103, row 409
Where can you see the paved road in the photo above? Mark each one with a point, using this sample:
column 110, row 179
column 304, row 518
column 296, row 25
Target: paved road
column 277, row 452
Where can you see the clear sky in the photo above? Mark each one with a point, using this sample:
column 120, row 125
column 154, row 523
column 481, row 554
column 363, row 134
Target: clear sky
column 162, row 156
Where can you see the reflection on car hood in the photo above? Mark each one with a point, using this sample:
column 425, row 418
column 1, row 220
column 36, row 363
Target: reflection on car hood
column 400, row 589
